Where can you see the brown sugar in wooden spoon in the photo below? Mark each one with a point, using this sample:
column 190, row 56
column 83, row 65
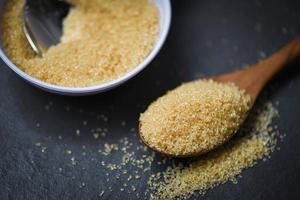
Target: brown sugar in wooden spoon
column 199, row 116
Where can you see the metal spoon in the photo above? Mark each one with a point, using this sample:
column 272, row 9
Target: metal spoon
column 43, row 23
column 251, row 79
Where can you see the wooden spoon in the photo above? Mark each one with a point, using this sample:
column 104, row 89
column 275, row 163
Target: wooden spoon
column 252, row 79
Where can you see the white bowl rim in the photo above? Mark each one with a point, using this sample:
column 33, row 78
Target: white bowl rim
column 102, row 87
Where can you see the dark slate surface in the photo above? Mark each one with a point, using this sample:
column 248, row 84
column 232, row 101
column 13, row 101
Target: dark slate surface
column 207, row 37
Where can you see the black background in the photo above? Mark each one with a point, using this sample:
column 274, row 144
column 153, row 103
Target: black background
column 207, row 37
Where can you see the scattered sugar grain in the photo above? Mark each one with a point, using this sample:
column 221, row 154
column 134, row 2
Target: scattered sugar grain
column 96, row 136
column 78, row 132
column 137, row 176
column 73, row 161
column 43, row 149
column 133, row 188
column 68, row 151
column 129, row 178
column 102, row 193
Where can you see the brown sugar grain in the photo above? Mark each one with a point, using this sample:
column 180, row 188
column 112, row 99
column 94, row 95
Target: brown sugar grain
column 194, row 118
column 102, row 41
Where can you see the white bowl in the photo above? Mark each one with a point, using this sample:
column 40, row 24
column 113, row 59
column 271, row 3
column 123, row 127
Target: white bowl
column 165, row 19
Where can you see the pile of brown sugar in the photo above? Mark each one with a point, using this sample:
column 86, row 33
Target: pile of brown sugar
column 194, row 117
column 255, row 140
column 102, row 41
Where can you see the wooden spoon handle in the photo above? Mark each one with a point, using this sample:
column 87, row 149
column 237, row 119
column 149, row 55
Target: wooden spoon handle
column 252, row 79
column 271, row 65
column 262, row 72
column 295, row 49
